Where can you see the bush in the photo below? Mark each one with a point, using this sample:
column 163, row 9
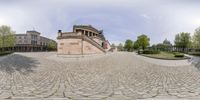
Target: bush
column 177, row 54
column 5, row 53
column 194, row 53
column 151, row 52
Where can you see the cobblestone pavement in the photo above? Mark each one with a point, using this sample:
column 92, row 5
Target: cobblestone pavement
column 168, row 62
column 116, row 76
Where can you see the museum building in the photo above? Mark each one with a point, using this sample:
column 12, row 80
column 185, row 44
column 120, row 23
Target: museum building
column 85, row 39
column 31, row 41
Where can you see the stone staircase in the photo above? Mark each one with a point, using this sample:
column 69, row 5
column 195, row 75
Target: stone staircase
column 85, row 38
column 94, row 43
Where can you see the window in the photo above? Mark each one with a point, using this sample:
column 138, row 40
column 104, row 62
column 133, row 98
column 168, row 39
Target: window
column 61, row 43
column 33, row 42
column 20, row 41
column 34, row 37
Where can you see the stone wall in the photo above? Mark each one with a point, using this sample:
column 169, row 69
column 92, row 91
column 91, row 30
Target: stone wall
column 90, row 49
column 74, row 46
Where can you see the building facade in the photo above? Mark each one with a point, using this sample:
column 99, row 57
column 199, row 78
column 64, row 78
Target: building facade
column 85, row 39
column 31, row 41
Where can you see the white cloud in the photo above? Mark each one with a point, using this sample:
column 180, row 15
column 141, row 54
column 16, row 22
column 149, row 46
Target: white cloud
column 145, row 16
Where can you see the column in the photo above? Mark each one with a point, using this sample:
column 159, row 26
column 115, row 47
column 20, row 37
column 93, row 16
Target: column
column 83, row 32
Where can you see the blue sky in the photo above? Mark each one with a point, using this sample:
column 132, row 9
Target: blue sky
column 120, row 19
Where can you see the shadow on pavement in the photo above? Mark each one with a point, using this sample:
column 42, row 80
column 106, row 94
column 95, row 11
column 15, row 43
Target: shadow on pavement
column 20, row 63
column 195, row 61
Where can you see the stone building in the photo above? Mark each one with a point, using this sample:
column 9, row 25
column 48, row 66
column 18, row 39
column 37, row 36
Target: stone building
column 85, row 39
column 31, row 41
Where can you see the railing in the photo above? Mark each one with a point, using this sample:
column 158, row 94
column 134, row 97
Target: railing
column 94, row 43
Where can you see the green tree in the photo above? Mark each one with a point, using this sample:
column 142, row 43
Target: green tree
column 52, row 46
column 7, row 37
column 161, row 46
column 143, row 41
column 196, row 38
column 154, row 47
column 182, row 40
column 120, row 47
column 113, row 45
column 136, row 45
column 128, row 45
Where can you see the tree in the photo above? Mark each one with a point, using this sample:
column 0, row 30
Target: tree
column 177, row 41
column 7, row 37
column 52, row 46
column 196, row 38
column 113, row 45
column 128, row 45
column 182, row 40
column 136, row 45
column 120, row 47
column 161, row 46
column 143, row 41
column 154, row 47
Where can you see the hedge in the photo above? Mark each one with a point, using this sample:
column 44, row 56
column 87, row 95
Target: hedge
column 177, row 54
column 5, row 53
column 194, row 53
column 150, row 52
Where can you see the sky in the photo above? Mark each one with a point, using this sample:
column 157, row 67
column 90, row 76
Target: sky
column 120, row 19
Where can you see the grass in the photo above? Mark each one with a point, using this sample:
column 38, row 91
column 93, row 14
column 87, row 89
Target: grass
column 164, row 55
column 5, row 53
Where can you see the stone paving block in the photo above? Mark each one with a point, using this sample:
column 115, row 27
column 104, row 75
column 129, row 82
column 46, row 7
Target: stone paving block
column 114, row 76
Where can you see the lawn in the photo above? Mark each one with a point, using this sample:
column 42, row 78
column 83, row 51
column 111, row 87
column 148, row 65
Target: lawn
column 164, row 55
